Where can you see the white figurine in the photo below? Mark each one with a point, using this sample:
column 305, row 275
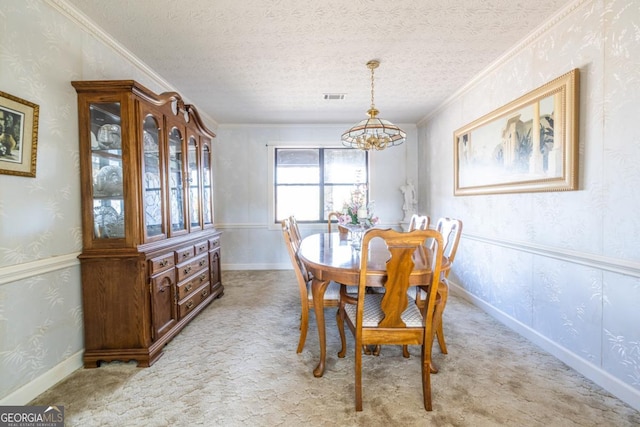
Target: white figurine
column 409, row 193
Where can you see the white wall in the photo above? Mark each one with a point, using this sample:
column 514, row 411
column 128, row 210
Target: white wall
column 249, row 239
column 44, row 46
column 562, row 268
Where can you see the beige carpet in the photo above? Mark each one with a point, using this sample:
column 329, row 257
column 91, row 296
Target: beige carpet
column 236, row 365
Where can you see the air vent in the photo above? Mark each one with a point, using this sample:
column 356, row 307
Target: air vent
column 338, row 96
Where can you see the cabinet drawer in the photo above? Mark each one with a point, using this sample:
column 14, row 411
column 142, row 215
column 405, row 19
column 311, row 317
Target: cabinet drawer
column 184, row 254
column 193, row 266
column 188, row 286
column 214, row 243
column 161, row 263
column 187, row 305
column 201, row 247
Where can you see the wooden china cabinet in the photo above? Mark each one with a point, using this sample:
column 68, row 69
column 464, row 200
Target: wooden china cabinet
column 151, row 255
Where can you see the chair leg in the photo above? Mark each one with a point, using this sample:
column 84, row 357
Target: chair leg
column 376, row 350
column 340, row 323
column 426, row 377
column 405, row 351
column 358, row 385
column 443, row 290
column 304, row 326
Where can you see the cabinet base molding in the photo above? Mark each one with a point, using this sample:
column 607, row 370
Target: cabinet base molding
column 145, row 357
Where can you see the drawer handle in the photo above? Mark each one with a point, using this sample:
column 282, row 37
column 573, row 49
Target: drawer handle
column 186, row 254
column 188, row 287
column 202, row 248
column 164, row 263
column 205, row 293
column 202, row 277
column 202, row 262
column 190, row 305
column 187, row 270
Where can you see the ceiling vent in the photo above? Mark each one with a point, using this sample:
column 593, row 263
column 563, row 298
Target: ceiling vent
column 338, row 96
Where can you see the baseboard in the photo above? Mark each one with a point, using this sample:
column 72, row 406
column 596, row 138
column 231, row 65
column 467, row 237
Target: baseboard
column 613, row 385
column 623, row 391
column 36, row 387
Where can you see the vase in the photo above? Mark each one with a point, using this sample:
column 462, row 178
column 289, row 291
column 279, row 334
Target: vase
column 356, row 231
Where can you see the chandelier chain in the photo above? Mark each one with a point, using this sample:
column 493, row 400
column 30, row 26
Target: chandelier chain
column 372, row 104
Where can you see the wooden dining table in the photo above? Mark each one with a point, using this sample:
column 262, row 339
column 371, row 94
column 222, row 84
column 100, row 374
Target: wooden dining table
column 330, row 257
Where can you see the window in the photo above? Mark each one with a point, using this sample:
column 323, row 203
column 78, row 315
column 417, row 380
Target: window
column 311, row 182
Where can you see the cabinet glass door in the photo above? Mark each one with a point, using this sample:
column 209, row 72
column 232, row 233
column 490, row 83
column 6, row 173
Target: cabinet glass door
column 207, row 203
column 176, row 182
column 194, row 183
column 106, row 164
column 151, row 181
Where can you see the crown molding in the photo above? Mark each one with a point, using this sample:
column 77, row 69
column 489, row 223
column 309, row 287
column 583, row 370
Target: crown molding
column 86, row 24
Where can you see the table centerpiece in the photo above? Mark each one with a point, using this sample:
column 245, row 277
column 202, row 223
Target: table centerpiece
column 357, row 216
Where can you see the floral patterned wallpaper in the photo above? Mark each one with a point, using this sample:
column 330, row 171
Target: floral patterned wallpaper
column 41, row 52
column 563, row 267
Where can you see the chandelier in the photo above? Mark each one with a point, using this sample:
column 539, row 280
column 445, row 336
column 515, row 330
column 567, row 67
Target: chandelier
column 373, row 132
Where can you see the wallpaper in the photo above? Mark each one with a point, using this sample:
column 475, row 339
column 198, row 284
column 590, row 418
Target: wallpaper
column 242, row 205
column 41, row 316
column 566, row 265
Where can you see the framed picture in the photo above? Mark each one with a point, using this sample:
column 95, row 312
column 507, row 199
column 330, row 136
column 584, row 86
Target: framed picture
column 528, row 145
column 18, row 136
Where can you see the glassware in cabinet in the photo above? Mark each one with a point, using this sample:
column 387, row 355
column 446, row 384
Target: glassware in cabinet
column 176, row 182
column 152, row 178
column 193, row 179
column 106, row 170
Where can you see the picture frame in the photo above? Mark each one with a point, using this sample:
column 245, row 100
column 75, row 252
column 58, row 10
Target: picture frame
column 18, row 135
column 494, row 154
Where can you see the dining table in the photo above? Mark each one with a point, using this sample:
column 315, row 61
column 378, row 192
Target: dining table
column 332, row 257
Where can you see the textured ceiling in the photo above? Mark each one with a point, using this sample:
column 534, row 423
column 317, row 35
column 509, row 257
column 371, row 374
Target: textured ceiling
column 261, row 62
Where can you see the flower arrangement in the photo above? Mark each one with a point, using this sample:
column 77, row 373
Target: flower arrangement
column 355, row 210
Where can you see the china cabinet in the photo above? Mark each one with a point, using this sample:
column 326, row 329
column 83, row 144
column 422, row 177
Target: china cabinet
column 151, row 255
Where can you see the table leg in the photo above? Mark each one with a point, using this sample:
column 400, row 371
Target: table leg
column 318, row 287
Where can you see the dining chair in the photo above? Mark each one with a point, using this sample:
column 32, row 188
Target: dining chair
column 451, row 230
column 303, row 277
column 295, row 232
column 419, row 222
column 392, row 317
column 336, row 215
column 332, row 215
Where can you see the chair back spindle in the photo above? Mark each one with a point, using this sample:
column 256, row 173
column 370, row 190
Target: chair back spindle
column 419, row 222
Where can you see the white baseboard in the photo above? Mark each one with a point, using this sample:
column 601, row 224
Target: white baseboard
column 623, row 391
column 613, row 385
column 36, row 387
